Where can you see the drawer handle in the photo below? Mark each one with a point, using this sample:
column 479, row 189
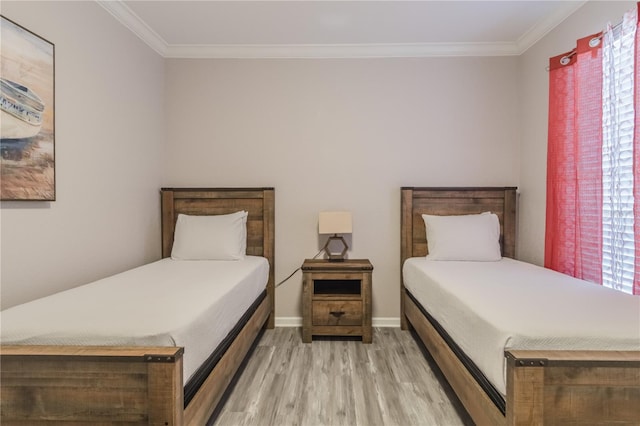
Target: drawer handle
column 337, row 314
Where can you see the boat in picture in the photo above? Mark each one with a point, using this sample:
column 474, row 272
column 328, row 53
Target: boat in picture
column 21, row 111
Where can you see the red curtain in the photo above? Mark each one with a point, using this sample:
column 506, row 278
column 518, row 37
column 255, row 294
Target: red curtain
column 574, row 218
column 573, row 238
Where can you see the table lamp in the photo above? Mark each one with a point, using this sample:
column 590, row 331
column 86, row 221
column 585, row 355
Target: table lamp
column 335, row 223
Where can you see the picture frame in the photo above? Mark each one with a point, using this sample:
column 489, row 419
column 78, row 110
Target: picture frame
column 27, row 106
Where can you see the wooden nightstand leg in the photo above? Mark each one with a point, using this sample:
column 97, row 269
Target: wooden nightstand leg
column 306, row 336
column 367, row 335
column 307, row 290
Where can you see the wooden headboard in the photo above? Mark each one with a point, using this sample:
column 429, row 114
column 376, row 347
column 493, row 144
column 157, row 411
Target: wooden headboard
column 259, row 202
column 455, row 201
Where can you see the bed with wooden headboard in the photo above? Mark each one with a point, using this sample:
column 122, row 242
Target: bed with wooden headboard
column 133, row 384
column 543, row 386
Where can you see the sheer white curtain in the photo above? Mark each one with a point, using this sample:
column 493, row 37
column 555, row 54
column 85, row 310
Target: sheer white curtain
column 618, row 117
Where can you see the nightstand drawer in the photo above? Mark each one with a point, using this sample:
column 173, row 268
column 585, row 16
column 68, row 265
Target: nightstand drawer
column 339, row 312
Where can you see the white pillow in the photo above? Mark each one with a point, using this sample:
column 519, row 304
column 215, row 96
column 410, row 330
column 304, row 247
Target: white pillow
column 473, row 237
column 218, row 237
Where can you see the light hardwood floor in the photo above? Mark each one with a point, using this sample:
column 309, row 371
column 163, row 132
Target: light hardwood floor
column 335, row 381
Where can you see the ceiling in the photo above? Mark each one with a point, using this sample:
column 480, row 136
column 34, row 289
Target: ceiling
column 335, row 29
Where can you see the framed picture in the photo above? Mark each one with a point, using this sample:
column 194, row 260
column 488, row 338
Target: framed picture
column 27, row 132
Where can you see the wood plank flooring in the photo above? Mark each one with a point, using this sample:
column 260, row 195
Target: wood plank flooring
column 335, row 381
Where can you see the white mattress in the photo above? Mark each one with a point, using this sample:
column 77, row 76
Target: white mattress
column 193, row 304
column 490, row 307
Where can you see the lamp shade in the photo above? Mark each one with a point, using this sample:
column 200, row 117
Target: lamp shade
column 334, row 223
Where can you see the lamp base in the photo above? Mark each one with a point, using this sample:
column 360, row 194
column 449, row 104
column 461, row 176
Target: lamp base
column 333, row 256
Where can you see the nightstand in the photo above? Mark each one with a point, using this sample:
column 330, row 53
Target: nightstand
column 336, row 298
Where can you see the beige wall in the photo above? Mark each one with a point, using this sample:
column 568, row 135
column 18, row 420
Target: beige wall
column 341, row 134
column 534, row 95
column 327, row 134
column 109, row 116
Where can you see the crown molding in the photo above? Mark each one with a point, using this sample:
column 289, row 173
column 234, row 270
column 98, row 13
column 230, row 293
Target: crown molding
column 129, row 19
column 315, row 51
column 538, row 31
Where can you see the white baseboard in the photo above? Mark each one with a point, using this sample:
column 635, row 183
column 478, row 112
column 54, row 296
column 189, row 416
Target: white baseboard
column 393, row 322
column 375, row 322
column 288, row 321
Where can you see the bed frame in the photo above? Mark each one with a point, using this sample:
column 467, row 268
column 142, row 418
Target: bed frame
column 139, row 385
column 543, row 387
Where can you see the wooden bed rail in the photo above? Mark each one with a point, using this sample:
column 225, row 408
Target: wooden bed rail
column 573, row 387
column 66, row 384
column 100, row 385
column 544, row 387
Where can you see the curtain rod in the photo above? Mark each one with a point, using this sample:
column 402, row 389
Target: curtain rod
column 592, row 43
